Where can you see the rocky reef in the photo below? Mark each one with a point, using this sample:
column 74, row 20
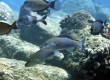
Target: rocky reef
column 15, row 48
column 6, row 13
column 11, row 69
column 94, row 65
column 38, row 33
column 20, row 44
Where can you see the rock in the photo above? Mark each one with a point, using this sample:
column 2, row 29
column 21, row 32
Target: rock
column 11, row 69
column 11, row 47
column 76, row 24
column 39, row 33
column 72, row 6
column 74, row 62
column 6, row 13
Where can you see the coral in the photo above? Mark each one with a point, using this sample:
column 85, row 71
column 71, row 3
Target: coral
column 6, row 13
column 15, row 48
column 38, row 33
column 97, row 47
column 11, row 69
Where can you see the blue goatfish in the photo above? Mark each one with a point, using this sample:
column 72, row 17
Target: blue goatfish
column 39, row 57
column 38, row 5
column 61, row 43
column 29, row 20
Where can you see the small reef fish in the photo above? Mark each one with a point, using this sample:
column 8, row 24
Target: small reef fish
column 38, row 5
column 39, row 57
column 6, row 28
column 97, row 26
column 29, row 20
column 48, row 11
column 61, row 43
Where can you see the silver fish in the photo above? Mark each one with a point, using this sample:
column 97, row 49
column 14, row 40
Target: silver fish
column 37, row 5
column 29, row 20
column 39, row 57
column 61, row 43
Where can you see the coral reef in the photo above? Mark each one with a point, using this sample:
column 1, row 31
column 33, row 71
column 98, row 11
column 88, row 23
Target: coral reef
column 6, row 13
column 38, row 33
column 91, row 65
column 11, row 47
column 94, row 65
column 11, row 69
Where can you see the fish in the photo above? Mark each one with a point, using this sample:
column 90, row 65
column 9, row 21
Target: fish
column 39, row 57
column 57, row 6
column 62, row 43
column 30, row 20
column 6, row 28
column 97, row 26
column 38, row 5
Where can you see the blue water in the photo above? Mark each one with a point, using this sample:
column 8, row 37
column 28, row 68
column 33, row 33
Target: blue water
column 103, row 2
column 14, row 4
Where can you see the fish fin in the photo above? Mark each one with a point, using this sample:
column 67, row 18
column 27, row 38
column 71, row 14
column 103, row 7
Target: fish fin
column 52, row 4
column 105, row 22
column 70, row 49
column 43, row 63
column 58, row 54
column 43, row 20
column 98, row 20
column 67, row 36
column 51, row 57
column 14, row 26
column 82, row 44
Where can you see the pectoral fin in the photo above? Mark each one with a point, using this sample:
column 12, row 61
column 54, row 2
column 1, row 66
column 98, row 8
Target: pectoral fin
column 58, row 54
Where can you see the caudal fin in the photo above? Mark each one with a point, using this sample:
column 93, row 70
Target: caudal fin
column 82, row 44
column 43, row 20
column 105, row 22
column 52, row 4
column 14, row 26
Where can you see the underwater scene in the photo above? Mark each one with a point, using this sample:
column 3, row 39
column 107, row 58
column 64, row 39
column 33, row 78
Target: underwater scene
column 54, row 39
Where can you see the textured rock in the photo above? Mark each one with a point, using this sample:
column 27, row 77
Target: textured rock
column 11, row 69
column 74, row 62
column 38, row 33
column 6, row 13
column 76, row 24
column 11, row 47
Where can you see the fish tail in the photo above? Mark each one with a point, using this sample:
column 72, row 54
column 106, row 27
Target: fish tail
column 82, row 44
column 105, row 22
column 14, row 26
column 52, row 4
column 43, row 20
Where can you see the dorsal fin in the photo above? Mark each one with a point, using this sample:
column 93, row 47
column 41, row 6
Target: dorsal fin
column 100, row 21
column 105, row 22
column 14, row 26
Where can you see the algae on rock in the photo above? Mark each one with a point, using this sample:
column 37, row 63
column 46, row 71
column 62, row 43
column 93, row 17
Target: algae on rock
column 11, row 69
